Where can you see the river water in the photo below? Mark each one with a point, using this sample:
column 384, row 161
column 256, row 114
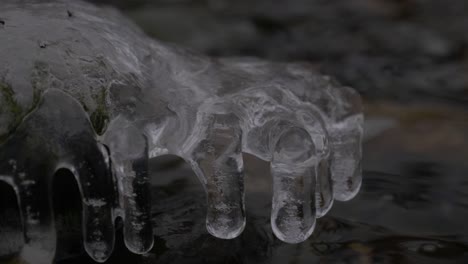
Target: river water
column 412, row 207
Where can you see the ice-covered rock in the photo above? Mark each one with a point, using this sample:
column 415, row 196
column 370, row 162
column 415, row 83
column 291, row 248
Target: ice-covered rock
column 83, row 89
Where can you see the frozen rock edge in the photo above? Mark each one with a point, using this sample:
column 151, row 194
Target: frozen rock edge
column 83, row 89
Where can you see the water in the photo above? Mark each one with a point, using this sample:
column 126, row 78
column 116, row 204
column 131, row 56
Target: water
column 411, row 209
column 415, row 216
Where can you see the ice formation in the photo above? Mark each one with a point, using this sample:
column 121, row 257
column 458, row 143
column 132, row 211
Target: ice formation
column 83, row 89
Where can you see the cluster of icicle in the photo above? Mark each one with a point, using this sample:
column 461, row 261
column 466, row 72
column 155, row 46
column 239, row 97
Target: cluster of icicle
column 98, row 98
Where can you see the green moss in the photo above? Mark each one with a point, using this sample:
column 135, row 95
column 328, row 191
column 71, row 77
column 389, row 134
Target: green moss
column 11, row 106
column 9, row 102
column 16, row 259
column 100, row 116
column 82, row 102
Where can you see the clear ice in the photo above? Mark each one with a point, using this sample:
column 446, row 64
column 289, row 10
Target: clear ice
column 83, row 89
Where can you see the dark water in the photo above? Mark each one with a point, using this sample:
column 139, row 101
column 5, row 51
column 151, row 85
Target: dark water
column 412, row 208
column 409, row 211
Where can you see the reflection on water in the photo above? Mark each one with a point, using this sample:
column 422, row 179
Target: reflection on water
column 412, row 208
column 416, row 216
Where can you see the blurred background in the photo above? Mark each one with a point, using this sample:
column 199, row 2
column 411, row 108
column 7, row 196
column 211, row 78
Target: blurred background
column 409, row 61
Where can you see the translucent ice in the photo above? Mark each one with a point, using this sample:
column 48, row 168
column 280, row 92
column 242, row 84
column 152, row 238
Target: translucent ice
column 83, row 89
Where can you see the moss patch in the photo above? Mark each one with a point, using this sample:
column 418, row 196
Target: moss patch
column 9, row 103
column 10, row 106
column 100, row 116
